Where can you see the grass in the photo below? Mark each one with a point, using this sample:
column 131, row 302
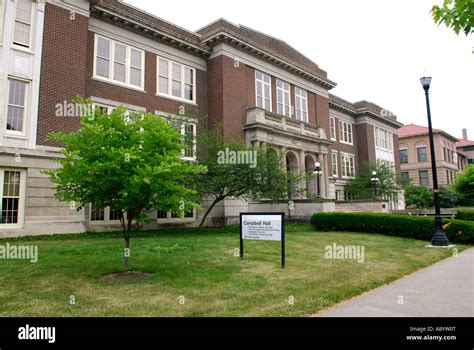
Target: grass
column 201, row 267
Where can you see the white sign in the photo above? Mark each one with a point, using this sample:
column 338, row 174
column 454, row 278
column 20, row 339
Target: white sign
column 263, row 227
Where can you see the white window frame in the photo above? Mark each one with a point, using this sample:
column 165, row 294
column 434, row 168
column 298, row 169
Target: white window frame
column 111, row 79
column 383, row 139
column 32, row 28
column 348, row 163
column 183, row 122
column 23, row 133
column 21, row 201
column 170, row 80
column 286, row 96
column 301, row 104
column 346, row 134
column 332, row 128
column 263, row 83
column 183, row 133
column 334, row 161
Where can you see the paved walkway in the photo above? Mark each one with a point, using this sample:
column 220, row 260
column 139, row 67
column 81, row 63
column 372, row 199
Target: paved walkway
column 445, row 289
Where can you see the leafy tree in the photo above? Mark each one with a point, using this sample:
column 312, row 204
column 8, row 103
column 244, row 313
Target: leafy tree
column 419, row 196
column 448, row 198
column 464, row 186
column 128, row 162
column 362, row 187
column 455, row 14
column 259, row 177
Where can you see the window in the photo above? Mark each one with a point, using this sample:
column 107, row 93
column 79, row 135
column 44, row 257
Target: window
column 97, row 214
column 119, row 63
column 187, row 129
column 114, row 214
column 383, row 139
column 424, row 180
column 348, row 165
column 334, row 163
column 263, row 91
column 176, row 80
column 332, row 128
column 11, row 196
column 345, row 132
column 404, row 156
column 421, row 152
column 301, row 101
column 405, row 175
column 189, row 133
column 23, row 23
column 104, row 214
column 16, row 106
column 163, row 215
column 283, row 98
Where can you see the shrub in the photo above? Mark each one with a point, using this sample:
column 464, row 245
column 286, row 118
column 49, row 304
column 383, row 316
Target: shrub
column 464, row 185
column 466, row 215
column 417, row 227
column 460, row 231
column 448, row 198
column 420, row 196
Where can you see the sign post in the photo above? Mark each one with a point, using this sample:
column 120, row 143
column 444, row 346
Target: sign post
column 263, row 227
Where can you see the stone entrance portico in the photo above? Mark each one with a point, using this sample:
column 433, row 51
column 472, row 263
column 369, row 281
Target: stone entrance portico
column 299, row 144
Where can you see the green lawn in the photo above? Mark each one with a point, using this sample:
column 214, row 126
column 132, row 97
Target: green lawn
column 201, row 267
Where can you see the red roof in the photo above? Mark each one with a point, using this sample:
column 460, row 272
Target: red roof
column 412, row 130
column 464, row 143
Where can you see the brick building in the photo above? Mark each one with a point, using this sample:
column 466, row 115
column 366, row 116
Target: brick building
column 415, row 155
column 254, row 86
column 466, row 147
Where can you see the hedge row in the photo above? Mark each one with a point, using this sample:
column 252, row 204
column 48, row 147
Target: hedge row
column 466, row 215
column 417, row 227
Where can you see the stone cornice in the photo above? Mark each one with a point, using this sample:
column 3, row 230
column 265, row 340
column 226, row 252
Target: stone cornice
column 164, row 35
column 225, row 35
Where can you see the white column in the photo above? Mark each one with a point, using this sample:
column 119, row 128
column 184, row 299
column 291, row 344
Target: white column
column 302, row 172
column 324, row 181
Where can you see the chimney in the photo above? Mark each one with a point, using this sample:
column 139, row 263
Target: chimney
column 464, row 134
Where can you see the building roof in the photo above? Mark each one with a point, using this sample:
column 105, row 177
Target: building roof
column 418, row 130
column 464, row 143
column 364, row 108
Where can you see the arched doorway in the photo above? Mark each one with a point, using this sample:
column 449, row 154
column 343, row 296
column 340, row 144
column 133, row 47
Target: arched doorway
column 292, row 168
column 311, row 184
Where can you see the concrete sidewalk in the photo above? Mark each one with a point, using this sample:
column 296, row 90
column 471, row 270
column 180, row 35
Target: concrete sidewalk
column 445, row 289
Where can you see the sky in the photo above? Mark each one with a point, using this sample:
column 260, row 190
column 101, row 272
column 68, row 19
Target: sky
column 375, row 50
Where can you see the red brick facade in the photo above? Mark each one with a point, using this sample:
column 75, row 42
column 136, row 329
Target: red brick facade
column 225, row 89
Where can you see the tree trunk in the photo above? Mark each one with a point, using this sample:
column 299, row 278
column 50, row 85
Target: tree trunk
column 127, row 251
column 217, row 200
column 127, row 229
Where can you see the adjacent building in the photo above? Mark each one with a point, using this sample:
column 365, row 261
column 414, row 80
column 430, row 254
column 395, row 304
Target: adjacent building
column 250, row 84
column 415, row 158
column 466, row 147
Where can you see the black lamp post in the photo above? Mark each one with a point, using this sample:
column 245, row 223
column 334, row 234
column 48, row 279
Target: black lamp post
column 374, row 180
column 317, row 172
column 439, row 237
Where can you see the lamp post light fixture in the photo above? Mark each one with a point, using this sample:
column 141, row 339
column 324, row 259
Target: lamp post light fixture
column 439, row 238
column 317, row 171
column 375, row 181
